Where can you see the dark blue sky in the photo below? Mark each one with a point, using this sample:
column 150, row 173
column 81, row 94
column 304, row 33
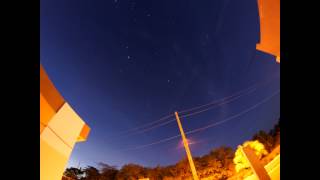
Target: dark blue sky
column 123, row 63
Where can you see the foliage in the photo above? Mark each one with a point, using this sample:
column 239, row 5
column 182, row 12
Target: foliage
column 131, row 172
column 240, row 161
column 220, row 163
column 91, row 173
column 73, row 173
column 269, row 140
column 108, row 172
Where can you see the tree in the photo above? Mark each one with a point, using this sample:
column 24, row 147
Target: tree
column 223, row 154
column 275, row 133
column 241, row 162
column 91, row 173
column 73, row 173
column 183, row 168
column 266, row 139
column 131, row 172
column 220, row 163
column 108, row 172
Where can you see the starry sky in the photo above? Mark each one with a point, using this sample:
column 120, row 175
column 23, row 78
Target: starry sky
column 124, row 63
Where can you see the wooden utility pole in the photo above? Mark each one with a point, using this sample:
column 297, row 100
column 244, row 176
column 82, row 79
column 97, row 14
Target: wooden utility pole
column 255, row 164
column 186, row 146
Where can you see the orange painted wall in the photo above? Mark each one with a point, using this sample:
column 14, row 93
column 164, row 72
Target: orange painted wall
column 49, row 92
column 269, row 12
column 46, row 113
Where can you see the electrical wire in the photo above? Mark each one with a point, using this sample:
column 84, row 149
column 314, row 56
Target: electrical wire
column 215, row 103
column 207, row 126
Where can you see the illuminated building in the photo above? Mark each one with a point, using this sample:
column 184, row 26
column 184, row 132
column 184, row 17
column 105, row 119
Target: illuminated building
column 269, row 12
column 60, row 129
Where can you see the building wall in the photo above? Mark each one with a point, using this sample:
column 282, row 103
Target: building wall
column 273, row 169
column 60, row 129
column 269, row 12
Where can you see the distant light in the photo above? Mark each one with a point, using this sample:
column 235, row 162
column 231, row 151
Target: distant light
column 189, row 141
column 278, row 59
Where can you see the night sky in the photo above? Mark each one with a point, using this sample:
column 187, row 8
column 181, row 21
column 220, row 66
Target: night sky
column 124, row 63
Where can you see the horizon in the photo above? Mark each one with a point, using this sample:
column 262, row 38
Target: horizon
column 180, row 146
column 123, row 64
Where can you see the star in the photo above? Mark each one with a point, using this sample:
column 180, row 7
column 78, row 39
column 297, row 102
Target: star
column 168, row 80
column 129, row 57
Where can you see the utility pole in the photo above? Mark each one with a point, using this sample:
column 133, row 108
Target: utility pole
column 255, row 164
column 186, row 146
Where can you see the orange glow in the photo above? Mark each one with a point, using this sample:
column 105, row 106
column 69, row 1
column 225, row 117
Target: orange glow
column 278, row 59
column 189, row 141
column 269, row 12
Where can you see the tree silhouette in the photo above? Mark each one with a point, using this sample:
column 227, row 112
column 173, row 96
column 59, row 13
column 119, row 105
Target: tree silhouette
column 108, row 172
column 91, row 173
column 217, row 164
column 73, row 173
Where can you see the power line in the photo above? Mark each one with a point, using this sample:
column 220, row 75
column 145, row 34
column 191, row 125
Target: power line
column 157, row 142
column 188, row 115
column 232, row 117
column 150, row 123
column 216, row 101
column 154, row 124
column 207, row 126
column 223, row 103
